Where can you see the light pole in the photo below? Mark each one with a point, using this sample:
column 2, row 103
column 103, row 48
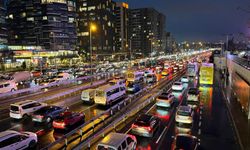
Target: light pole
column 92, row 27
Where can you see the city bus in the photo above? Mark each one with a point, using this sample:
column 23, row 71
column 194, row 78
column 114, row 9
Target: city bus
column 206, row 74
column 135, row 80
column 192, row 69
column 108, row 94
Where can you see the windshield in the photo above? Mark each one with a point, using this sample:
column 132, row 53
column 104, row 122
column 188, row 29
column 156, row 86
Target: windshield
column 183, row 113
column 130, row 84
column 59, row 76
column 14, row 108
column 100, row 147
column 192, row 92
column 100, row 93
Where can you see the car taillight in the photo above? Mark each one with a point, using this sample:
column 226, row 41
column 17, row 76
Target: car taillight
column 134, row 126
column 148, row 128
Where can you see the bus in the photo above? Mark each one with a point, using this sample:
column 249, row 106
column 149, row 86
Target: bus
column 206, row 74
column 135, row 80
column 192, row 69
column 108, row 94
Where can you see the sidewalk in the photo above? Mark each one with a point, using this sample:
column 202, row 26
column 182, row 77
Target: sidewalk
column 239, row 119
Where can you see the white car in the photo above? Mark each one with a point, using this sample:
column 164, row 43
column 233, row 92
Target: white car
column 184, row 79
column 24, row 109
column 165, row 100
column 177, row 86
column 7, row 86
column 15, row 140
column 184, row 114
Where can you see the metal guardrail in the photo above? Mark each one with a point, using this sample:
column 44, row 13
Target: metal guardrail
column 110, row 113
column 111, row 126
column 240, row 61
column 38, row 88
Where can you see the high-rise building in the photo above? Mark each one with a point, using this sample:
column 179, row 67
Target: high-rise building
column 101, row 14
column 47, row 23
column 146, row 31
column 121, row 12
column 3, row 29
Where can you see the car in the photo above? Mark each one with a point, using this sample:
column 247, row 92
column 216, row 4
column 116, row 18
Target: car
column 165, row 100
column 185, row 142
column 16, row 140
column 47, row 113
column 145, row 125
column 117, row 141
column 7, row 86
column 49, row 81
column 184, row 114
column 193, row 94
column 184, row 79
column 176, row 68
column 68, row 119
column 177, row 86
column 24, row 109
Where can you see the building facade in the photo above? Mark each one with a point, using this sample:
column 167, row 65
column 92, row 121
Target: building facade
column 121, row 12
column 146, row 28
column 3, row 29
column 101, row 14
column 50, row 24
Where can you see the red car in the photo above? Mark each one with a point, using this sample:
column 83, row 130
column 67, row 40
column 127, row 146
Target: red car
column 68, row 119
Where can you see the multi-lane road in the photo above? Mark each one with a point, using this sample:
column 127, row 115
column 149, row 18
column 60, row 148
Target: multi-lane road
column 211, row 122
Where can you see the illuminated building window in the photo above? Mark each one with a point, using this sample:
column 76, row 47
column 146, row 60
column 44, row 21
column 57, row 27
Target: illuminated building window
column 84, row 4
column 11, row 16
column 91, row 8
column 23, row 14
column 30, row 19
column 83, row 9
column 45, row 17
column 71, row 20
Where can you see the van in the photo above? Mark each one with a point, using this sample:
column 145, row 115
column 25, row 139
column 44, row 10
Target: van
column 25, row 108
column 7, row 86
column 88, row 95
column 117, row 141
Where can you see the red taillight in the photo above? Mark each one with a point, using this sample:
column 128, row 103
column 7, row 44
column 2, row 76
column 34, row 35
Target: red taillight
column 134, row 126
column 148, row 128
column 38, row 116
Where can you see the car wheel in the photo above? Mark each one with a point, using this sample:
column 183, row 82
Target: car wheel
column 48, row 120
column 12, row 90
column 32, row 144
column 25, row 116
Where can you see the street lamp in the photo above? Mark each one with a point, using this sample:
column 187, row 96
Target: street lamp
column 92, row 28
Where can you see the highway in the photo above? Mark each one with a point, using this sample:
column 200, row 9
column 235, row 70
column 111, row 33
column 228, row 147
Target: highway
column 47, row 135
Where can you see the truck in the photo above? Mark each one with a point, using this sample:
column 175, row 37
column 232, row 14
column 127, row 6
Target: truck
column 192, row 69
column 206, row 74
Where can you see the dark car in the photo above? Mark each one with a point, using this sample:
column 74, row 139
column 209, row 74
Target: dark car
column 145, row 125
column 186, row 142
column 47, row 113
column 193, row 94
column 68, row 119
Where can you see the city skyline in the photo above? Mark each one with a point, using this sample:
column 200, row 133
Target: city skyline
column 196, row 20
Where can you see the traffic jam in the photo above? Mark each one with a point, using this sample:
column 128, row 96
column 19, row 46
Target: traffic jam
column 174, row 111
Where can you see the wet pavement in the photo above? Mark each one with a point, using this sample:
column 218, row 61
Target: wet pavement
column 236, row 112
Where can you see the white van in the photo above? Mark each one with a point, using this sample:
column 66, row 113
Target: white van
column 117, row 141
column 24, row 108
column 88, row 95
column 7, row 86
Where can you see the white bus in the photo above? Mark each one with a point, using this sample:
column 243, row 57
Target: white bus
column 107, row 94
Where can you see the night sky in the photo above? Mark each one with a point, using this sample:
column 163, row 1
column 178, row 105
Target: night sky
column 201, row 20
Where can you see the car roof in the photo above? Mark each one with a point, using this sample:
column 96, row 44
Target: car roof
column 145, row 118
column 23, row 102
column 113, row 139
column 6, row 134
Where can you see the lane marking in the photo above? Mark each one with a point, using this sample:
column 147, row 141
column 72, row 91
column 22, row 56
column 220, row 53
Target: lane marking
column 128, row 130
column 200, row 117
column 150, row 109
column 161, row 135
column 199, row 123
column 199, row 131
